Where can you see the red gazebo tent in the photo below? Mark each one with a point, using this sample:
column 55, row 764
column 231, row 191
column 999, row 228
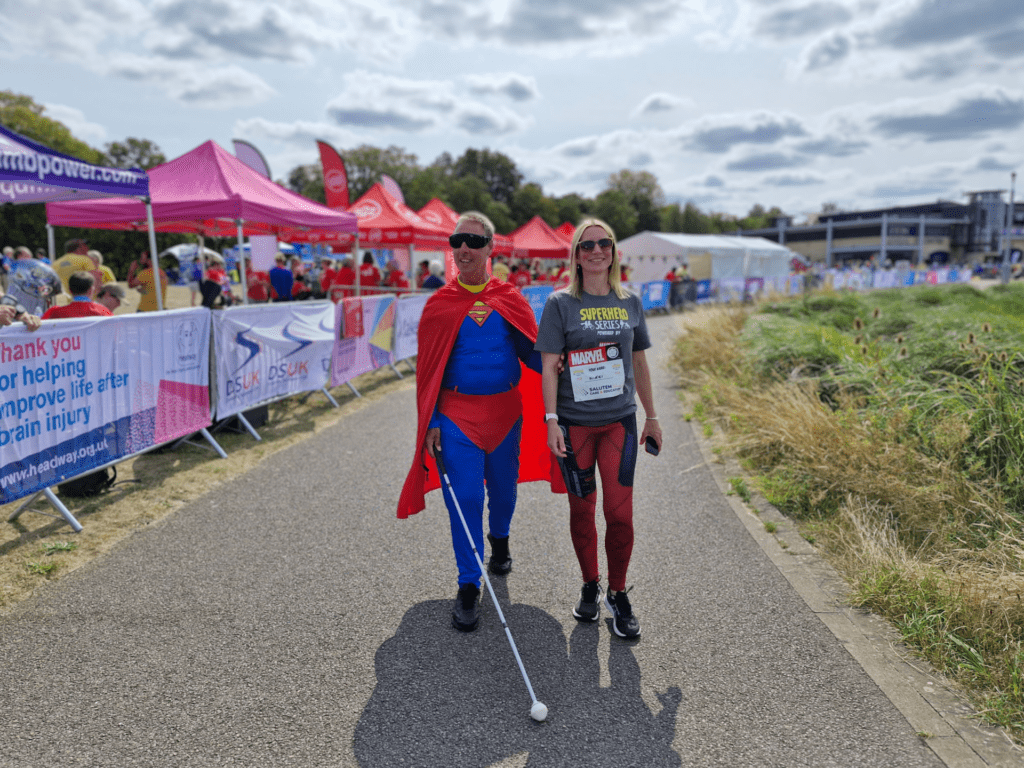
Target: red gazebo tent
column 436, row 212
column 439, row 214
column 566, row 230
column 384, row 223
column 537, row 240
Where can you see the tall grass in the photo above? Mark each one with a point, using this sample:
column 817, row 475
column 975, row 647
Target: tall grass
column 892, row 425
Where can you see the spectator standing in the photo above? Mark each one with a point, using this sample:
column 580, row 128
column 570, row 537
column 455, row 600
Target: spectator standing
column 194, row 277
column 76, row 258
column 258, row 289
column 500, row 270
column 369, row 275
column 80, row 286
column 520, row 276
column 436, row 278
column 106, row 273
column 422, row 273
column 281, row 279
column 341, row 287
column 144, row 279
column 326, row 278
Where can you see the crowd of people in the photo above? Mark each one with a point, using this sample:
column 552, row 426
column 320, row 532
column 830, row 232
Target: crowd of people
column 32, row 285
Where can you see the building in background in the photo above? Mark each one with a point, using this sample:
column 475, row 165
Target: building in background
column 932, row 233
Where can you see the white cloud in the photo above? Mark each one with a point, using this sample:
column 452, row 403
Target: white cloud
column 371, row 101
column 660, row 103
column 76, row 121
column 510, row 85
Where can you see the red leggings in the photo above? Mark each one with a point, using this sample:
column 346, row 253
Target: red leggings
column 613, row 448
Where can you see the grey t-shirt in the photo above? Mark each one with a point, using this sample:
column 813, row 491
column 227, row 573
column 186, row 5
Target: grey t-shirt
column 569, row 324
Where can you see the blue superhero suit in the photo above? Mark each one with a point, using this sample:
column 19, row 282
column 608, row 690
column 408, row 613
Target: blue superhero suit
column 479, row 413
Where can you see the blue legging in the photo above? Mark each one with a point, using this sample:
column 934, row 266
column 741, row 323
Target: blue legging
column 468, row 467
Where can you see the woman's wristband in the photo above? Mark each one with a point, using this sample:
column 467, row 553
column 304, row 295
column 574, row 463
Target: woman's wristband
column 550, row 416
column 652, row 418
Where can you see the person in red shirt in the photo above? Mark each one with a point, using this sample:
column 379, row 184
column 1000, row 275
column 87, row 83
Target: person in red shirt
column 258, row 283
column 395, row 277
column 422, row 273
column 80, row 286
column 327, row 276
column 341, row 287
column 369, row 275
column 520, row 276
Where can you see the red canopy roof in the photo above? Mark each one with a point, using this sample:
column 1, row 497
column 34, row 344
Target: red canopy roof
column 537, row 240
column 566, row 230
column 384, row 222
column 206, row 191
column 439, row 214
column 436, row 212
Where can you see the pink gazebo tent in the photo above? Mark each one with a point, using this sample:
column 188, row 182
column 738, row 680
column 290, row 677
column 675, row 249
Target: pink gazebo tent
column 537, row 240
column 210, row 192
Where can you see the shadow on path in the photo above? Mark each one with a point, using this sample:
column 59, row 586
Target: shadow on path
column 446, row 698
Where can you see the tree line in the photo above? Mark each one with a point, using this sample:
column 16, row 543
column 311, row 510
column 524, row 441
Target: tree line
column 480, row 179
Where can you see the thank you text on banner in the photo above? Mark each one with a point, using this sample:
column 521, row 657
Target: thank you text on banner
column 79, row 394
column 270, row 351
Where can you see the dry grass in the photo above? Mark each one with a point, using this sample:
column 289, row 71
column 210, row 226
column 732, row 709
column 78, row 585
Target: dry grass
column 932, row 547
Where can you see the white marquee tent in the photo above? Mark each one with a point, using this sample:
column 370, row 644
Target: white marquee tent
column 650, row 255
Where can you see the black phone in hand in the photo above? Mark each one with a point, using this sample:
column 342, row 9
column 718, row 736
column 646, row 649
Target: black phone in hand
column 651, row 446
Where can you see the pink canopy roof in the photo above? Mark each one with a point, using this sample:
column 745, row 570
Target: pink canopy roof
column 537, row 240
column 206, row 191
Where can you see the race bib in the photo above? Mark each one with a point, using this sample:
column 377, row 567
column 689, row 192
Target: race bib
column 596, row 373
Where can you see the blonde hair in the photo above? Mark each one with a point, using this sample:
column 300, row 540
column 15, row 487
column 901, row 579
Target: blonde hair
column 480, row 219
column 575, row 287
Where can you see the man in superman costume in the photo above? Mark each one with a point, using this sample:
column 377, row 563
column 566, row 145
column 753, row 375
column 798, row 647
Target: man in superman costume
column 478, row 394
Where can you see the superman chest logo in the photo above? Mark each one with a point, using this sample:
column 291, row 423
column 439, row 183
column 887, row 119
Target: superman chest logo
column 479, row 312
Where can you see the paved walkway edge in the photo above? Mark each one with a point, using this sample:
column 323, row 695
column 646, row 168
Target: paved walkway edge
column 939, row 714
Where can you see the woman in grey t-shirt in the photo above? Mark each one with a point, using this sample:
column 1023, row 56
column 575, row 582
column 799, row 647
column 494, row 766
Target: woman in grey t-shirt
column 591, row 411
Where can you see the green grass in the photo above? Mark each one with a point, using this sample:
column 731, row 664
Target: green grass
column 53, row 547
column 890, row 426
column 42, row 569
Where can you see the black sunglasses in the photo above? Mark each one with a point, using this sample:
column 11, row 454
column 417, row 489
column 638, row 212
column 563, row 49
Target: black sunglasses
column 468, row 238
column 589, row 245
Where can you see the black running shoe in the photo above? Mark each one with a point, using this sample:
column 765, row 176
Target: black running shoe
column 501, row 561
column 465, row 612
column 624, row 623
column 589, row 606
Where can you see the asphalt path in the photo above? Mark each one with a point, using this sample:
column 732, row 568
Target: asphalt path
column 288, row 618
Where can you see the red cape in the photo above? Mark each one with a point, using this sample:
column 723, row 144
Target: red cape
column 439, row 326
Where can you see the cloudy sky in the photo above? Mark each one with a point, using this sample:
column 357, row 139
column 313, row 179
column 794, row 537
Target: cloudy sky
column 795, row 103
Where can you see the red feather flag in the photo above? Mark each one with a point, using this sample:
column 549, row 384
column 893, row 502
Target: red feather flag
column 335, row 177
